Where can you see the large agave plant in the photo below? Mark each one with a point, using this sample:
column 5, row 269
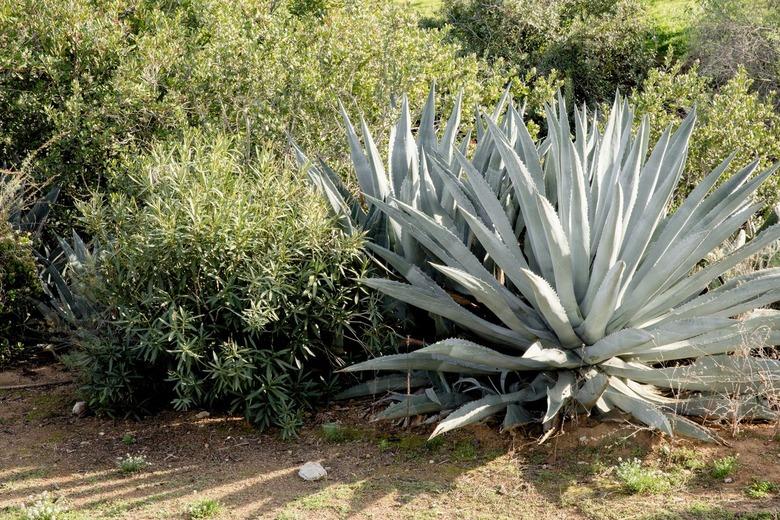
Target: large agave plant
column 591, row 295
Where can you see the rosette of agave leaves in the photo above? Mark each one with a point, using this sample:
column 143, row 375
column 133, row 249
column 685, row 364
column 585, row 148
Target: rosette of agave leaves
column 573, row 285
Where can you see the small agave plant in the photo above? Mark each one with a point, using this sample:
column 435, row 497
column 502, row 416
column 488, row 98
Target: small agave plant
column 583, row 291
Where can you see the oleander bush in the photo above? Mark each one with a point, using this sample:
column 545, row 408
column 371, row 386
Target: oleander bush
column 597, row 45
column 86, row 83
column 220, row 281
column 733, row 117
column 573, row 284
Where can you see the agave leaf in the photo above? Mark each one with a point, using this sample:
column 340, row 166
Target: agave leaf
column 526, row 192
column 614, row 344
column 642, row 410
column 426, row 134
column 422, row 361
column 699, row 280
column 558, row 396
column 443, row 305
column 551, row 309
column 375, row 162
column 608, row 248
column 421, row 404
column 516, row 415
column 592, row 389
column 532, row 359
column 690, row 429
column 367, row 176
column 447, row 144
column 604, row 304
column 562, row 260
column 383, row 384
column 473, row 412
column 721, row 373
column 325, row 185
column 403, row 157
column 718, row 407
column 486, row 295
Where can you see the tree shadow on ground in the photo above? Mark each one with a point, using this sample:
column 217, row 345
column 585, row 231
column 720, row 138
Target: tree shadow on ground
column 374, row 469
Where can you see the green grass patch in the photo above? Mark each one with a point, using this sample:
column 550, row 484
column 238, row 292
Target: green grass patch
column 424, row 7
column 206, row 508
column 132, row 464
column 337, row 433
column 638, row 479
column 722, row 468
column 761, row 489
column 673, row 19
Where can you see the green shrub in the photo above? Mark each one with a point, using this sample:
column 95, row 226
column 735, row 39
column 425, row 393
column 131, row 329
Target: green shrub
column 223, row 283
column 45, row 507
column 636, row 478
column 759, row 489
column 732, row 118
column 131, row 463
column 84, row 83
column 206, row 508
column 598, row 45
column 723, row 467
column 19, row 282
column 732, row 34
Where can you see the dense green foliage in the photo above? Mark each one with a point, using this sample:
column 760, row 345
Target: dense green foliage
column 85, row 82
column 598, row 45
column 732, row 118
column 223, row 283
column 18, row 284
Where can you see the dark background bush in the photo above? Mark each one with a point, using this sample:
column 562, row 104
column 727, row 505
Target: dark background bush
column 597, row 45
column 733, row 34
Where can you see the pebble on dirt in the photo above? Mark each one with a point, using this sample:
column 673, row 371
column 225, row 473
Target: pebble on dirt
column 80, row 409
column 312, row 471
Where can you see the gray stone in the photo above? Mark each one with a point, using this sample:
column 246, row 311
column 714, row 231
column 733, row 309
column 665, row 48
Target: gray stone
column 80, row 409
column 312, row 471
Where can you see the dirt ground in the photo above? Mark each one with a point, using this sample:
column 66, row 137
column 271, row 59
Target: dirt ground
column 375, row 470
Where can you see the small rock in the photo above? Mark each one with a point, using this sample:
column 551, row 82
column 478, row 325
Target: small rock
column 312, row 471
column 202, row 415
column 80, row 409
column 728, row 480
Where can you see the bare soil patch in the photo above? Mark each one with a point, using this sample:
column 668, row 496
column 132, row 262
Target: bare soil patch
column 375, row 470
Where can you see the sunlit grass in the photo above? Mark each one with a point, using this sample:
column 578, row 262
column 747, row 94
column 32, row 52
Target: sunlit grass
column 424, row 7
column 673, row 20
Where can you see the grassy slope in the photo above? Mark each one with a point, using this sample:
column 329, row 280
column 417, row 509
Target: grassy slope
column 673, row 19
column 425, row 7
